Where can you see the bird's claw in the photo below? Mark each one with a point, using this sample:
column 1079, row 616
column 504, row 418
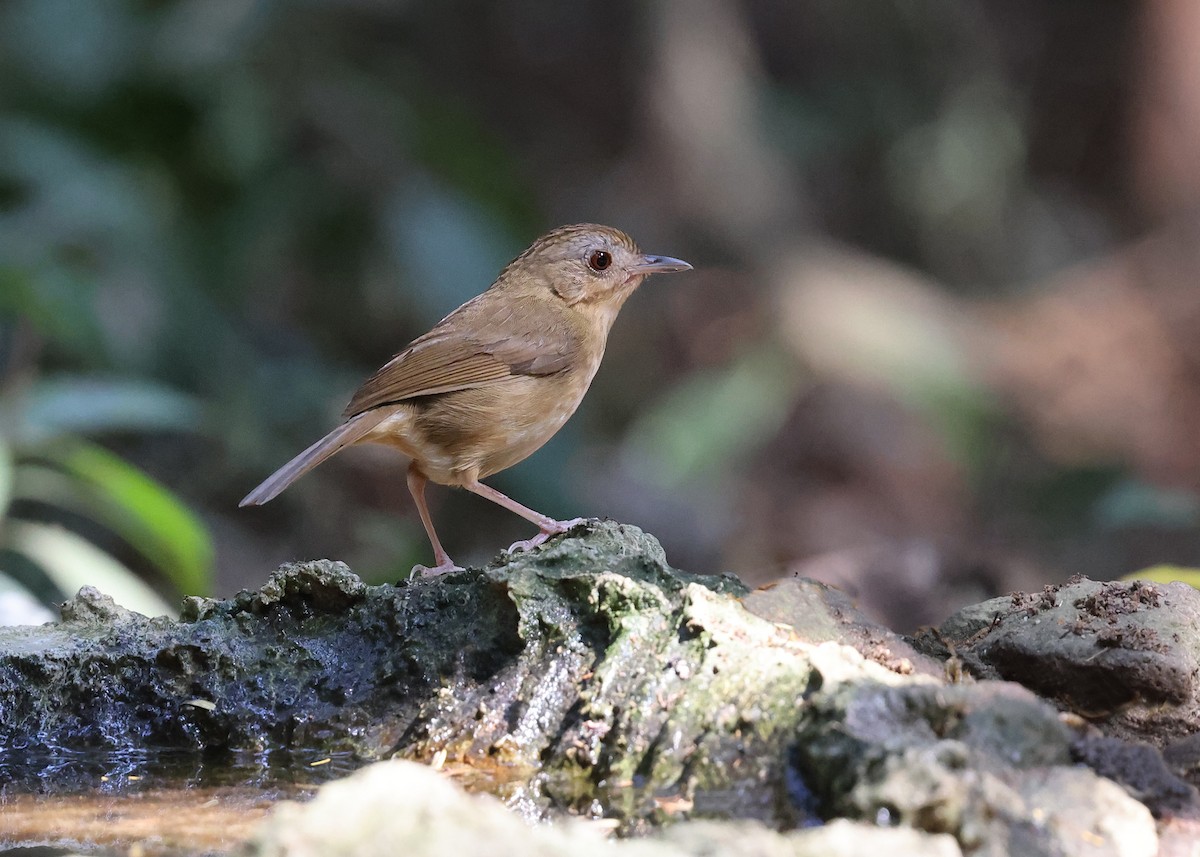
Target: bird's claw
column 426, row 571
column 558, row 528
column 528, row 544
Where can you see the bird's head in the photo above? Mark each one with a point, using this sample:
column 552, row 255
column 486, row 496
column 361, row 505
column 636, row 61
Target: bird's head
column 589, row 264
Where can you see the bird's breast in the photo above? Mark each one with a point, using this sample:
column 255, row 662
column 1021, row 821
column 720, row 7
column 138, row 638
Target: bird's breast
column 528, row 415
column 465, row 435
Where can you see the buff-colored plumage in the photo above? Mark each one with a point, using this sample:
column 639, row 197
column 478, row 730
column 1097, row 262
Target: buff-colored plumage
column 496, row 378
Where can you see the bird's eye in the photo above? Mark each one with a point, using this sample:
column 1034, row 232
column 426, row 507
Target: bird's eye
column 599, row 260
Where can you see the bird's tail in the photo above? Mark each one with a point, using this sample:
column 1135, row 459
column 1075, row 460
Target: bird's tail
column 347, row 433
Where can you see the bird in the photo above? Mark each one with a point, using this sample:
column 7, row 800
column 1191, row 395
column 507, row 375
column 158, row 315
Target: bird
column 496, row 378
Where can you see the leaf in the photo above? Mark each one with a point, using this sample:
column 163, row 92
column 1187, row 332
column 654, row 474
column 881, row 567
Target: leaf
column 1133, row 503
column 712, row 419
column 18, row 603
column 75, row 405
column 6, row 479
column 72, row 562
column 55, row 303
column 1167, row 574
column 26, row 574
column 112, row 492
column 450, row 244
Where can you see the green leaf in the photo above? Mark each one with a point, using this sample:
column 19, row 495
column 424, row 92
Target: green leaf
column 1132, row 503
column 6, row 480
column 713, row 418
column 131, row 504
column 71, row 561
column 55, row 302
column 18, row 573
column 76, row 405
column 18, row 605
column 1167, row 574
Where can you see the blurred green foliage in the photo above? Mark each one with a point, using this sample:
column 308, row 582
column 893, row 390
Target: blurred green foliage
column 248, row 203
column 51, row 478
column 239, row 208
column 1167, row 574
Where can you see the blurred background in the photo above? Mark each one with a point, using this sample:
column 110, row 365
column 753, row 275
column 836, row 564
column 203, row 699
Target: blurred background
column 941, row 341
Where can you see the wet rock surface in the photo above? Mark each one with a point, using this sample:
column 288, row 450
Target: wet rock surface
column 986, row 763
column 586, row 676
column 589, row 678
column 359, row 816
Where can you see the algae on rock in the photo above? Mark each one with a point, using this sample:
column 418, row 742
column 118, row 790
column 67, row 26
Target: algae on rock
column 402, row 808
column 589, row 676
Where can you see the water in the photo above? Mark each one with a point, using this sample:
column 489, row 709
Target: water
column 149, row 803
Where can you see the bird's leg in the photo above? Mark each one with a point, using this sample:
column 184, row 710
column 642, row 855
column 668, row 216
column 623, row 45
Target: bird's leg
column 548, row 526
column 416, row 487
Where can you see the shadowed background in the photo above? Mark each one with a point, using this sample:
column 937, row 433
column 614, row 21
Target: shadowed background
column 941, row 341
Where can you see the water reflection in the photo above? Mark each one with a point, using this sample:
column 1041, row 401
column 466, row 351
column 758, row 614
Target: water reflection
column 149, row 802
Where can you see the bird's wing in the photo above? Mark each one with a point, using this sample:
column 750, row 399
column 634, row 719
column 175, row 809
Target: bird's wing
column 480, row 343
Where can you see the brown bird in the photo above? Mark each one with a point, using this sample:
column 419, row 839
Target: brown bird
column 496, row 378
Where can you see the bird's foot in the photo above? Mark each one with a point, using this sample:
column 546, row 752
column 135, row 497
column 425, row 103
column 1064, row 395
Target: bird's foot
column 442, row 568
column 554, row 528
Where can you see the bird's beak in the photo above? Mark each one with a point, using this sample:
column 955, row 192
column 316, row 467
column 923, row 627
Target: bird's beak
column 660, row 265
